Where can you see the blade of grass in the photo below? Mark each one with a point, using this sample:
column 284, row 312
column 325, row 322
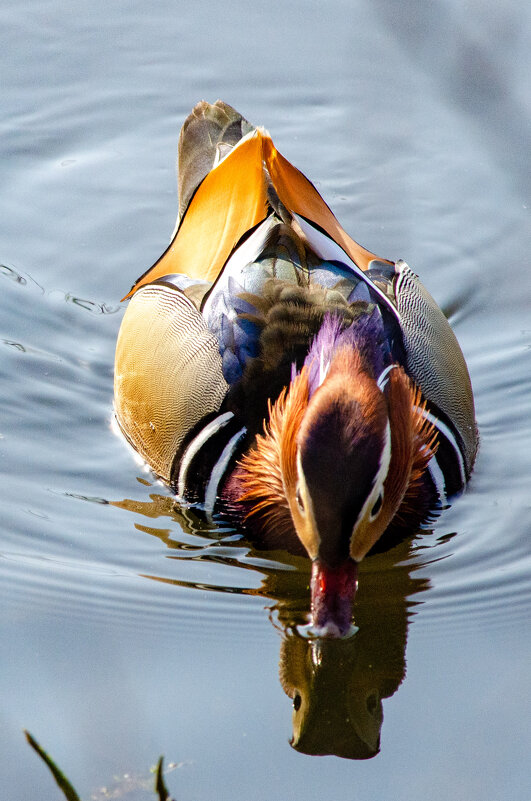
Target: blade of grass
column 62, row 782
column 160, row 786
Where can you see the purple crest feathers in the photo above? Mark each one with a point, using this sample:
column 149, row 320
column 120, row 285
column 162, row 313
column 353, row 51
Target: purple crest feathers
column 365, row 334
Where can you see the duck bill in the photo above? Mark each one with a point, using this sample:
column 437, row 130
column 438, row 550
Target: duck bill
column 333, row 590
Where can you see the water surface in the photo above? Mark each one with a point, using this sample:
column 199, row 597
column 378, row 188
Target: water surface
column 129, row 627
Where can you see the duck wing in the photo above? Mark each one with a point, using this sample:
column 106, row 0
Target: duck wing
column 433, row 358
column 167, row 373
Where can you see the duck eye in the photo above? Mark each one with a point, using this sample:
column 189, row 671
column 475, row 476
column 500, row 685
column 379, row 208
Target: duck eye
column 297, row 701
column 298, row 498
column 375, row 511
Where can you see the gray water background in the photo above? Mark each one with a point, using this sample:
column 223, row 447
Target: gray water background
column 414, row 121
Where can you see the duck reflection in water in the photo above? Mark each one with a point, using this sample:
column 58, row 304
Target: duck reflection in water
column 337, row 706
column 336, row 685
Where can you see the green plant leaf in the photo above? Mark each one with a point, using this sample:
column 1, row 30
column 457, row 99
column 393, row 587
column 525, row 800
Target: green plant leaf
column 62, row 782
column 160, row 786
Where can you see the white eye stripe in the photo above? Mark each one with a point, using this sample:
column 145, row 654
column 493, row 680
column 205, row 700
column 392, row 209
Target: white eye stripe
column 311, row 539
column 377, row 506
column 381, row 475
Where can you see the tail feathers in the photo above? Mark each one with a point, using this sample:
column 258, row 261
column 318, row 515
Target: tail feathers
column 208, row 134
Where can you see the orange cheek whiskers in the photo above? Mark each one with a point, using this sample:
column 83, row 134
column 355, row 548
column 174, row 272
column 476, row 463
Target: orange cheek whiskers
column 268, row 471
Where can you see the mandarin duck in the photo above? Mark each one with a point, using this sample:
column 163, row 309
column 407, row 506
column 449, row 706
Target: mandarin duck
column 273, row 371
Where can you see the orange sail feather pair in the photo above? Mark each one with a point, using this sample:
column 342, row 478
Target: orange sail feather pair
column 231, row 200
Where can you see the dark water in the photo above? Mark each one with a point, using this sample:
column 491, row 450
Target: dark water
column 128, row 628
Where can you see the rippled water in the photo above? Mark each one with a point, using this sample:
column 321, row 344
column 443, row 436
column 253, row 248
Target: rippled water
column 129, row 627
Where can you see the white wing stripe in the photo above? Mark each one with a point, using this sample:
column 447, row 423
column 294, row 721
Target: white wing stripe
column 437, row 476
column 383, row 378
column 446, row 432
column 218, row 470
column 195, row 446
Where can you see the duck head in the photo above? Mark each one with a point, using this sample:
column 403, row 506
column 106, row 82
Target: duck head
column 342, row 463
column 344, row 445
